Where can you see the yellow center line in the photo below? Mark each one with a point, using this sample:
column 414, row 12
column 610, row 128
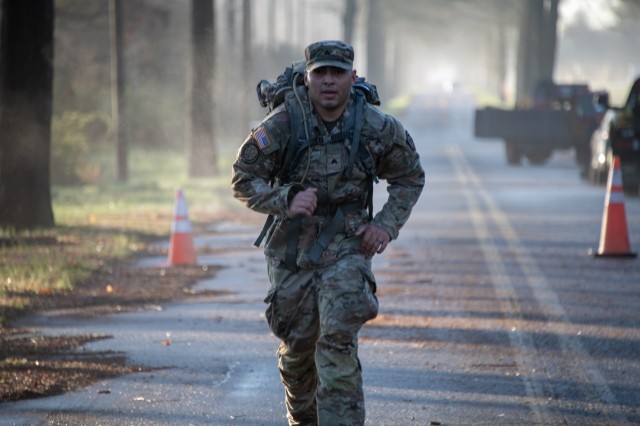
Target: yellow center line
column 527, row 355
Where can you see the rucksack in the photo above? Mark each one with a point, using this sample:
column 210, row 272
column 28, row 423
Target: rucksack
column 272, row 94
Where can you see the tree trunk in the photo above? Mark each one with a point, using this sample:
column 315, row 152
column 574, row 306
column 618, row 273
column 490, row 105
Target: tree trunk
column 497, row 54
column 349, row 19
column 118, row 78
column 202, row 152
column 227, row 86
column 501, row 62
column 376, row 51
column 26, row 80
column 246, row 61
column 527, row 52
column 536, row 50
column 271, row 19
column 549, row 40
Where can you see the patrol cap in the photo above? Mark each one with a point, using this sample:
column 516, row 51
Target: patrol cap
column 329, row 53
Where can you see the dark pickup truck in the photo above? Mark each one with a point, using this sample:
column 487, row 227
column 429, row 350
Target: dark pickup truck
column 619, row 134
column 562, row 117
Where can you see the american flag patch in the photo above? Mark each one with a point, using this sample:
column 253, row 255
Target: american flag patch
column 260, row 135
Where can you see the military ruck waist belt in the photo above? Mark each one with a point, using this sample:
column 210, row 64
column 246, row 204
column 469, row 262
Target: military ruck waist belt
column 331, row 208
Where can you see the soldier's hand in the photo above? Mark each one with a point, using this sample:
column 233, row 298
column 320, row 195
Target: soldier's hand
column 374, row 239
column 303, row 203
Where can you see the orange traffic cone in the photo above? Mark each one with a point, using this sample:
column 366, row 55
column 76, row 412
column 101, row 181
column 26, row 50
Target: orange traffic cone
column 614, row 236
column 181, row 251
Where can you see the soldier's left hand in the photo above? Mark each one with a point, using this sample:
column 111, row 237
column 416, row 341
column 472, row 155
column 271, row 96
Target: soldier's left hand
column 374, row 239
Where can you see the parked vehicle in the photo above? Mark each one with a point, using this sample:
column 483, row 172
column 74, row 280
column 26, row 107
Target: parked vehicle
column 563, row 116
column 600, row 151
column 618, row 134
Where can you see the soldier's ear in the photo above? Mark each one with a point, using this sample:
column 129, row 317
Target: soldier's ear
column 306, row 78
column 354, row 76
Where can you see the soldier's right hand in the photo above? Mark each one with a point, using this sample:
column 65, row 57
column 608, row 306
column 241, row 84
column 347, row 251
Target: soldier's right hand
column 303, row 203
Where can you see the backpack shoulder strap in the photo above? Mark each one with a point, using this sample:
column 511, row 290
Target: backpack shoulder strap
column 290, row 149
column 358, row 150
column 357, row 131
column 265, row 229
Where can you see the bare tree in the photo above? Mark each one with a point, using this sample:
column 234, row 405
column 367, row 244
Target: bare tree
column 549, row 39
column 376, row 46
column 537, row 46
column 247, row 34
column 202, row 152
column 349, row 19
column 118, row 79
column 271, row 22
column 26, row 85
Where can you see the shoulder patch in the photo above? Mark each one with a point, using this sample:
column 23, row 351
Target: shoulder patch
column 262, row 138
column 249, row 153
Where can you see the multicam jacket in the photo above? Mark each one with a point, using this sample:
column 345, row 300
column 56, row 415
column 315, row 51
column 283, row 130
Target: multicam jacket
column 260, row 159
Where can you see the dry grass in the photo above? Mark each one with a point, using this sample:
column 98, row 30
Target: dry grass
column 32, row 365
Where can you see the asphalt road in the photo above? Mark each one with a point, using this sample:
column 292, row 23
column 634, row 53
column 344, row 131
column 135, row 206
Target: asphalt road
column 491, row 310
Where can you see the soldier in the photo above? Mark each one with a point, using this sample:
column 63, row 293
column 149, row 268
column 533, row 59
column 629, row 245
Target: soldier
column 310, row 165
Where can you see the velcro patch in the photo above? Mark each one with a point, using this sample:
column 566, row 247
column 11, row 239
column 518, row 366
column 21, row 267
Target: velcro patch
column 249, row 153
column 261, row 137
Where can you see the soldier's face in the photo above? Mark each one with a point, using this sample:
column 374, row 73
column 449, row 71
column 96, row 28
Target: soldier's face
column 329, row 89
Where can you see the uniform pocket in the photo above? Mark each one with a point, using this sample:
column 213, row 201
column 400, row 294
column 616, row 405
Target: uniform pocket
column 370, row 279
column 369, row 293
column 269, row 312
column 278, row 319
column 291, row 311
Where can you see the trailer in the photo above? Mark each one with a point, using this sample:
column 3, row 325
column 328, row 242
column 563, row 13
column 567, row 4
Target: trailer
column 562, row 117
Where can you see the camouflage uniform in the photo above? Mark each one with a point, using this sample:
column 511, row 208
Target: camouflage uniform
column 318, row 308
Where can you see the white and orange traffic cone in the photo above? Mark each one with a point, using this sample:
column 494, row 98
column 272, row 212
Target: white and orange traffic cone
column 181, row 250
column 614, row 235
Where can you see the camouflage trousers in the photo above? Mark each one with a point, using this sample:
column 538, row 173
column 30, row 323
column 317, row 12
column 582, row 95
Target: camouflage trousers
column 317, row 314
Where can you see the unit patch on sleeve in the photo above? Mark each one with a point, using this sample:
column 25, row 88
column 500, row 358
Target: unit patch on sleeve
column 260, row 135
column 249, row 153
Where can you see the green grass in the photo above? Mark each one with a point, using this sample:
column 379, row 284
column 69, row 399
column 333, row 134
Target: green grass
column 154, row 178
column 104, row 222
column 43, row 262
column 398, row 105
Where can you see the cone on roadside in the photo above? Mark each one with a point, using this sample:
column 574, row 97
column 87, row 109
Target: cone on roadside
column 614, row 235
column 181, row 250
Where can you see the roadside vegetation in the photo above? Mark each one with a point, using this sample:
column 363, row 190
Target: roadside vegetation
column 102, row 223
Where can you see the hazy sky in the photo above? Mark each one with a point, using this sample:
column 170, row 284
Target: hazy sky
column 598, row 13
